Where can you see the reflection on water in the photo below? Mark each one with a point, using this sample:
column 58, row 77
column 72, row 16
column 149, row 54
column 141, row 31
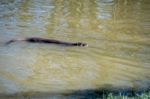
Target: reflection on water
column 116, row 31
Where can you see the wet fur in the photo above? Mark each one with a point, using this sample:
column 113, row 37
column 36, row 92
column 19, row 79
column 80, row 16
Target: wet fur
column 47, row 41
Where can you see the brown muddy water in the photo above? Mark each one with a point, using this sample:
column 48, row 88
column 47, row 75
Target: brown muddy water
column 117, row 32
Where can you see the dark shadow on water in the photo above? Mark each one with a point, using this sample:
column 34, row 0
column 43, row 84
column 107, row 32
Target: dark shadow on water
column 103, row 94
column 80, row 94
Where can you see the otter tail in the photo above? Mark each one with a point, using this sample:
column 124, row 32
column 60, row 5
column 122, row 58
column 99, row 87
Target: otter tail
column 11, row 41
column 14, row 40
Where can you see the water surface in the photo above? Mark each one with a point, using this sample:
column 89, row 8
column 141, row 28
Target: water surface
column 117, row 32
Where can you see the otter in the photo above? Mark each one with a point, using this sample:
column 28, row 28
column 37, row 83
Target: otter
column 47, row 41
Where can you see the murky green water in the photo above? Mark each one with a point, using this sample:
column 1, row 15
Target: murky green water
column 117, row 32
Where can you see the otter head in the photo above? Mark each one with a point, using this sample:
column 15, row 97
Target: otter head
column 80, row 44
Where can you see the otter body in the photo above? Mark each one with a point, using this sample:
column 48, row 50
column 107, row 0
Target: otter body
column 47, row 41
